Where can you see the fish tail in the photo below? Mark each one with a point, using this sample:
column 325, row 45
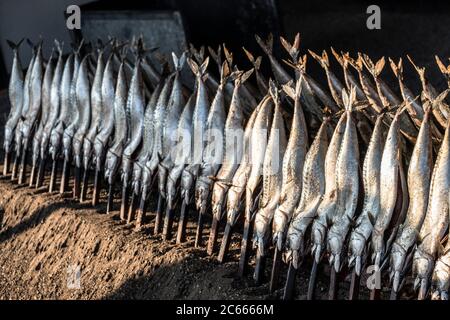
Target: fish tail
column 198, row 70
column 255, row 62
column 445, row 70
column 216, row 55
column 273, row 90
column 14, row 46
column 337, row 56
column 292, row 49
column 323, row 60
column 420, row 71
column 266, row 46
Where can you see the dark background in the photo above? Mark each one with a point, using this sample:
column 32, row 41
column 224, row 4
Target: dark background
column 419, row 28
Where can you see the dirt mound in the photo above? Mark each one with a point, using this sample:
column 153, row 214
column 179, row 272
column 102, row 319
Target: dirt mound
column 54, row 248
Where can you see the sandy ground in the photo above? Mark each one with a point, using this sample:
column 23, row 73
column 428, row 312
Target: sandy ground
column 52, row 247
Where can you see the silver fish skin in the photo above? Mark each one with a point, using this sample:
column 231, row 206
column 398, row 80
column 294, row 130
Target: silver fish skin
column 55, row 100
column 441, row 276
column 135, row 105
column 147, row 141
column 257, row 150
column 360, row 234
column 16, row 97
column 114, row 153
column 108, row 97
column 293, row 161
column 181, row 153
column 64, row 114
column 46, row 89
column 35, row 97
column 347, row 185
column 313, row 188
column 389, row 180
column 72, row 123
column 419, row 176
column 436, row 219
column 234, row 152
column 237, row 187
column 272, row 175
column 213, row 151
column 170, row 123
column 83, row 102
column 97, row 110
column 199, row 123
column 327, row 206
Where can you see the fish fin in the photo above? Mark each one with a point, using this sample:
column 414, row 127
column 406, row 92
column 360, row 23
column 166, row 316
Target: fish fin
column 197, row 54
column 357, row 64
column 13, row 45
column 266, row 46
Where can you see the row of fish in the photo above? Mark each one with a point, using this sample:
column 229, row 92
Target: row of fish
column 342, row 172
